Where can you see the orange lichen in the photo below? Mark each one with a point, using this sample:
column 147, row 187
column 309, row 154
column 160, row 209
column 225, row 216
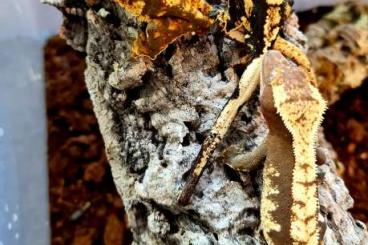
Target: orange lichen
column 166, row 21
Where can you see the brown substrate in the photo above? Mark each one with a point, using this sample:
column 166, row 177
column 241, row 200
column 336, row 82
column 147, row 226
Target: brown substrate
column 346, row 127
column 84, row 205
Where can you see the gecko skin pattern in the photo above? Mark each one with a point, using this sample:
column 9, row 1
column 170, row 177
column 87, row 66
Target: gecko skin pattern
column 293, row 109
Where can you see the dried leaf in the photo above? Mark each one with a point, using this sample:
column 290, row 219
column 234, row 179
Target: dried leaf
column 166, row 20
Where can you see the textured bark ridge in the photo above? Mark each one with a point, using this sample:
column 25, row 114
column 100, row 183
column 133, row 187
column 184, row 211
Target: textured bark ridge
column 338, row 49
column 154, row 116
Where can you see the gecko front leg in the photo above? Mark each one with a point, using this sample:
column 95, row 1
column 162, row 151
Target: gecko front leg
column 245, row 162
column 293, row 110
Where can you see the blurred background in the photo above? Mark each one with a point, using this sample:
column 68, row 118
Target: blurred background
column 55, row 183
column 25, row 26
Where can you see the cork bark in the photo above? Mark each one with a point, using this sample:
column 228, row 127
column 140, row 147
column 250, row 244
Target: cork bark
column 154, row 115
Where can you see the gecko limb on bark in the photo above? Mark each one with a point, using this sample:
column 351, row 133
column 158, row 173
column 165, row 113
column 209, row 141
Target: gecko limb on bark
column 245, row 162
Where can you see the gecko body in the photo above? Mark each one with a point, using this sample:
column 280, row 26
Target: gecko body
column 293, row 109
column 276, row 201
